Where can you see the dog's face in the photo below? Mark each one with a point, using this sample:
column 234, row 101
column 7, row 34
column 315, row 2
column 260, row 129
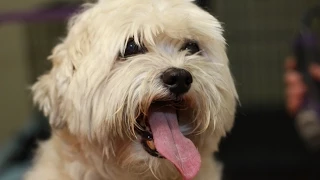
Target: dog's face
column 147, row 80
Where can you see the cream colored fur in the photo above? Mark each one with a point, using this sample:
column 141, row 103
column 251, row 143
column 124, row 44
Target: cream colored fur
column 92, row 96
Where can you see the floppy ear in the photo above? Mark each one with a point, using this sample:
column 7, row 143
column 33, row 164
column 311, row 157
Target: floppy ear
column 49, row 89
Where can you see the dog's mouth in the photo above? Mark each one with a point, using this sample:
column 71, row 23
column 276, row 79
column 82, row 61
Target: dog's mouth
column 144, row 129
column 161, row 137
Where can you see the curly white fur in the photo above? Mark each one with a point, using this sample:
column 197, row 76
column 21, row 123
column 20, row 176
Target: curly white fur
column 93, row 97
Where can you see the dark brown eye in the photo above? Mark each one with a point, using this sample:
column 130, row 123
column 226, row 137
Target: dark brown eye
column 133, row 48
column 191, row 46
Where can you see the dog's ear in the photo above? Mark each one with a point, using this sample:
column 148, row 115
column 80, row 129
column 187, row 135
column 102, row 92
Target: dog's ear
column 49, row 89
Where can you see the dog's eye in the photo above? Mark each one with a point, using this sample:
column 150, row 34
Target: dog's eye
column 133, row 48
column 191, row 47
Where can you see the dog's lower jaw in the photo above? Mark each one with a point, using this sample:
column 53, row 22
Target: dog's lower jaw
column 65, row 157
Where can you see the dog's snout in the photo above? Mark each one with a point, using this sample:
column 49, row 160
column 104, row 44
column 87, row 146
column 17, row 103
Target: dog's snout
column 177, row 80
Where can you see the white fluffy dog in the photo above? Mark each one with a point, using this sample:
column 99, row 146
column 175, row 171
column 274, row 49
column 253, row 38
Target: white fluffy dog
column 139, row 89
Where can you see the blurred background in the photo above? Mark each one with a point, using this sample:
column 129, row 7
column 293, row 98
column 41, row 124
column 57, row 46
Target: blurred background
column 264, row 143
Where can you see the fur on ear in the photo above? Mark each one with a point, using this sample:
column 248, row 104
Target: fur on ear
column 48, row 90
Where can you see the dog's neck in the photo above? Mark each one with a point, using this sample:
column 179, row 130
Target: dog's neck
column 87, row 157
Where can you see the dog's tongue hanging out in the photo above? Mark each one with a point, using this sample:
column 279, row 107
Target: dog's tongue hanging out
column 171, row 143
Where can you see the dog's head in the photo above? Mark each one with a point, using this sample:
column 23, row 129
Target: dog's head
column 152, row 75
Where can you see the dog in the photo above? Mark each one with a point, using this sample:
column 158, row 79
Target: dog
column 138, row 90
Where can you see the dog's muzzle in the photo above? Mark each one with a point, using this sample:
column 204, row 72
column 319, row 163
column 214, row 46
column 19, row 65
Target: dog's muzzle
column 178, row 81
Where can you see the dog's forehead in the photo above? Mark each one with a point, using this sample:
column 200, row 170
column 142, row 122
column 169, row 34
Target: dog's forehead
column 162, row 5
column 153, row 17
column 147, row 11
column 108, row 24
column 158, row 4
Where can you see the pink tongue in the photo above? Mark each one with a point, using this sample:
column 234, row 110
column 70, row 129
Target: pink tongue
column 171, row 143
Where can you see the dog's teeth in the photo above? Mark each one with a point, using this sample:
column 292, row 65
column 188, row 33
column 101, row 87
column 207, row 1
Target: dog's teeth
column 151, row 145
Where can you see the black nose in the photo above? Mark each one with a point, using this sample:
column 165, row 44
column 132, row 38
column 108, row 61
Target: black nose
column 177, row 80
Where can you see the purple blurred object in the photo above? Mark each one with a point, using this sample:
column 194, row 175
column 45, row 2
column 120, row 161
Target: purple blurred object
column 40, row 15
column 307, row 51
